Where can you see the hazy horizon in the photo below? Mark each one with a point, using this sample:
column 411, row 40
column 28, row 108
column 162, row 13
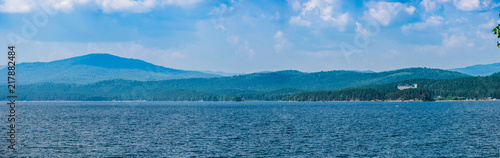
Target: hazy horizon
column 235, row 73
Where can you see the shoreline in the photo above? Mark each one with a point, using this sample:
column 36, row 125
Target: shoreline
column 391, row 101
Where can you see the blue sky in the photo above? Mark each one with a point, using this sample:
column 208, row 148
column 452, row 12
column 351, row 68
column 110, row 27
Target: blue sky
column 258, row 35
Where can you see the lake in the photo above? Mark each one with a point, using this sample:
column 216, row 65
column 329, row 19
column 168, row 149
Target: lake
column 255, row 129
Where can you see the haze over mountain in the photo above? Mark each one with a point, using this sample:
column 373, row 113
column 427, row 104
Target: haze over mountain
column 220, row 73
column 93, row 68
column 480, row 70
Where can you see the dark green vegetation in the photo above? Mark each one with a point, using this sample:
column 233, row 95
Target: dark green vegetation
column 479, row 70
column 96, row 67
column 475, row 88
column 496, row 74
column 273, row 86
column 363, row 94
column 496, row 31
column 108, row 77
column 267, row 82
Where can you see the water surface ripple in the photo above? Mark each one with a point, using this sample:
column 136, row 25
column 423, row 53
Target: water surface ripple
column 256, row 129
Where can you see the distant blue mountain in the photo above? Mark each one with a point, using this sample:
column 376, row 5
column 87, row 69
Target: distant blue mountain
column 480, row 70
column 365, row 71
column 93, row 68
column 220, row 73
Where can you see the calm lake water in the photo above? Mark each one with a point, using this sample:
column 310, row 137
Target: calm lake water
column 255, row 129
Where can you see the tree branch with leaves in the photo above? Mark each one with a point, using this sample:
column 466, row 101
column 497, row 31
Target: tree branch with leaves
column 496, row 31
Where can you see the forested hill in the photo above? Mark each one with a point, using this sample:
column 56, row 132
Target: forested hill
column 258, row 86
column 478, row 88
column 93, row 68
column 330, row 80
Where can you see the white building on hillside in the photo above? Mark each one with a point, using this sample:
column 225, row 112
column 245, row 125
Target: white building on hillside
column 406, row 86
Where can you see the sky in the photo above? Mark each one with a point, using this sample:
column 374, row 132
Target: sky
column 244, row 36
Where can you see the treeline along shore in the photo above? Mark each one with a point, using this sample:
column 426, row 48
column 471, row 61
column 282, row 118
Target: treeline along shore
column 467, row 88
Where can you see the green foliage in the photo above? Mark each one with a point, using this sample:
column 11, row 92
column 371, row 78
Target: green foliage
column 496, row 74
column 362, row 94
column 273, row 86
column 445, row 89
column 266, row 82
column 496, row 31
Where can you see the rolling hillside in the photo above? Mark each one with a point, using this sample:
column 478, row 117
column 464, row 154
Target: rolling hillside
column 480, row 70
column 93, row 68
column 259, row 86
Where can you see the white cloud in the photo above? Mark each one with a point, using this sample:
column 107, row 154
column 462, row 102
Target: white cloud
column 361, row 29
column 456, row 41
column 245, row 49
column 489, row 4
column 281, row 41
column 242, row 45
column 135, row 50
column 295, row 4
column 384, row 12
column 17, row 6
column 485, row 35
column 410, row 10
column 323, row 53
column 275, row 16
column 50, row 51
column 233, row 39
column 429, row 49
column 448, row 43
column 321, row 12
column 429, row 22
column 391, row 53
column 107, row 6
column 467, row 5
column 470, row 45
column 297, row 20
column 429, row 5
column 65, row 5
column 180, row 2
column 221, row 9
column 461, row 19
column 176, row 54
column 490, row 25
column 341, row 20
column 220, row 26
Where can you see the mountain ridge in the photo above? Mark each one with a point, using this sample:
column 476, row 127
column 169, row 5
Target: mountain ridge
column 287, row 82
column 93, row 68
column 480, row 69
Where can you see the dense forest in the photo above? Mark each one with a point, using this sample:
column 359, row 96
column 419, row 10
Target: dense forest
column 472, row 88
column 263, row 88
column 363, row 94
